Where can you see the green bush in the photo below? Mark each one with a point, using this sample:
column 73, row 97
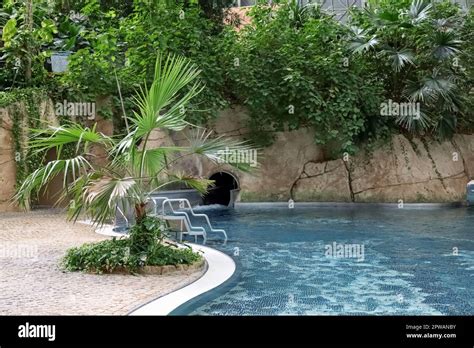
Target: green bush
column 144, row 247
column 128, row 48
column 420, row 50
column 292, row 69
column 292, row 66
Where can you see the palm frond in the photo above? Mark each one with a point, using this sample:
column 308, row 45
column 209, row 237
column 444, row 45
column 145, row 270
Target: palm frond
column 218, row 148
column 126, row 145
column 69, row 168
column 57, row 137
column 446, row 45
column 430, row 88
column 154, row 111
column 382, row 18
column 411, row 122
column 199, row 184
column 399, row 58
column 443, row 24
column 419, row 11
column 362, row 41
column 74, row 195
column 301, row 13
column 154, row 159
column 445, row 126
column 102, row 196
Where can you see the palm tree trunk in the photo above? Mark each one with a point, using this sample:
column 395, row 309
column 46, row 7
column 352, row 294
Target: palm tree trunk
column 140, row 212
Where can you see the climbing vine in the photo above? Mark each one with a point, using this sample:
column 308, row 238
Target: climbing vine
column 22, row 105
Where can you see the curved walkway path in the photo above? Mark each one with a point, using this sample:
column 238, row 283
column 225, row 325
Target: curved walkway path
column 31, row 283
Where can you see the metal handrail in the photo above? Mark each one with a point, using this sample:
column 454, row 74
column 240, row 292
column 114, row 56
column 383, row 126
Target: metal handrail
column 125, row 217
column 190, row 229
column 170, row 200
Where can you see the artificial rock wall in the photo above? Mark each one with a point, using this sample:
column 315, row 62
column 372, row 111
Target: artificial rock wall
column 293, row 167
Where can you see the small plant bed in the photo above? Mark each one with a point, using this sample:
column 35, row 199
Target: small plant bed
column 145, row 251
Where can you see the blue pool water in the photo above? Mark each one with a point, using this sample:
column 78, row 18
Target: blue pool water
column 410, row 261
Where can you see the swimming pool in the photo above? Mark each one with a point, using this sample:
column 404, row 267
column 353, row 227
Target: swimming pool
column 357, row 260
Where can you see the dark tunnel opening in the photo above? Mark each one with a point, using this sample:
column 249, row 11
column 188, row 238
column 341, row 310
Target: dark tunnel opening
column 224, row 183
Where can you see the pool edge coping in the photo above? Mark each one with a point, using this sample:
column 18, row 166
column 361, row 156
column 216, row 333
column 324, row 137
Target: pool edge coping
column 220, row 268
column 353, row 204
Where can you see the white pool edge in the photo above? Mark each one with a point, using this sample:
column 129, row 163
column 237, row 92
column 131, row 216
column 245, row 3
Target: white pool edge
column 220, row 267
column 351, row 205
column 105, row 230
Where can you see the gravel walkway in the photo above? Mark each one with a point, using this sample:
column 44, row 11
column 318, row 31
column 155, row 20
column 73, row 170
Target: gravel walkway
column 31, row 282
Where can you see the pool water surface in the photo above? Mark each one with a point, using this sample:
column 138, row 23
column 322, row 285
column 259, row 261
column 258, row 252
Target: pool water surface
column 362, row 260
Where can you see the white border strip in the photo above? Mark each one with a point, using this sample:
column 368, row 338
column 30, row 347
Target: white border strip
column 349, row 205
column 220, row 268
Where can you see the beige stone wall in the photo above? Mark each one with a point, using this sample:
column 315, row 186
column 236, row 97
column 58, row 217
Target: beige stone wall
column 7, row 161
column 412, row 171
column 293, row 167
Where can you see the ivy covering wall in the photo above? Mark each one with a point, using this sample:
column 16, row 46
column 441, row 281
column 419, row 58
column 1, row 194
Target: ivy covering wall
column 22, row 106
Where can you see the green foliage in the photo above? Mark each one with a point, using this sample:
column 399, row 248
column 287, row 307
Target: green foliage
column 111, row 38
column 98, row 257
column 128, row 47
column 25, row 33
column 293, row 66
column 215, row 10
column 417, row 49
column 144, row 247
column 145, row 234
column 292, row 70
column 466, row 67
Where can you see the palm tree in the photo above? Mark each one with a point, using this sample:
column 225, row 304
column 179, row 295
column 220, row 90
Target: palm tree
column 133, row 170
column 415, row 52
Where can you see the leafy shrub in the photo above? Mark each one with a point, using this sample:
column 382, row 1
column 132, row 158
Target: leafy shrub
column 128, row 49
column 467, row 68
column 24, row 35
column 292, row 66
column 102, row 256
column 293, row 70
